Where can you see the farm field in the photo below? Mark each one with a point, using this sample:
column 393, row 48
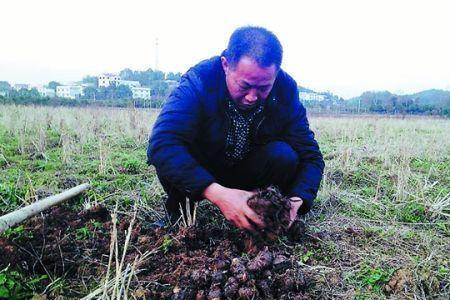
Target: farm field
column 380, row 227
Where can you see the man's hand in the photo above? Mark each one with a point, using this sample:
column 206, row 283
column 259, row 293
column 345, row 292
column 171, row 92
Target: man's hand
column 233, row 204
column 296, row 202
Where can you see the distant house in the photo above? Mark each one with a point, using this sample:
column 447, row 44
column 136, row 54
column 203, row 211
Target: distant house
column 172, row 84
column 105, row 80
column 69, row 91
column 20, row 86
column 141, row 93
column 311, row 96
column 130, row 83
column 46, row 92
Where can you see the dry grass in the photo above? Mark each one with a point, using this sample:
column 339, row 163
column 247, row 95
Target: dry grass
column 380, row 227
column 386, row 194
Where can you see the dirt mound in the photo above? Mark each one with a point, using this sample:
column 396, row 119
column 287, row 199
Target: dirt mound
column 204, row 261
column 216, row 268
column 59, row 242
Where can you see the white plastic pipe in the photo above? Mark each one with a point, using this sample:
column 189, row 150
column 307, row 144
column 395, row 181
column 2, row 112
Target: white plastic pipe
column 24, row 213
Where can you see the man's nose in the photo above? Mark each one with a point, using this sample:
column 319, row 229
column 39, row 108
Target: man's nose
column 252, row 96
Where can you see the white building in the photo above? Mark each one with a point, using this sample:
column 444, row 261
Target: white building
column 105, row 80
column 141, row 93
column 172, row 84
column 46, row 92
column 69, row 91
column 130, row 83
column 307, row 96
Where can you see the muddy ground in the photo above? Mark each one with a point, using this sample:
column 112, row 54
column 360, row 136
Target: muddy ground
column 204, row 261
column 198, row 262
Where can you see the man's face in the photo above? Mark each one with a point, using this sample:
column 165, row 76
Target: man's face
column 247, row 82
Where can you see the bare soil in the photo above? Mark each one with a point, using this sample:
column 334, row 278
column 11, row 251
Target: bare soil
column 199, row 262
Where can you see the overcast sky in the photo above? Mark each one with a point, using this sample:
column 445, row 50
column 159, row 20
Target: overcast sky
column 345, row 46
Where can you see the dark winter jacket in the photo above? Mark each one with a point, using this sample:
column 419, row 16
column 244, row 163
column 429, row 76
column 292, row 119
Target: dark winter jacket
column 190, row 132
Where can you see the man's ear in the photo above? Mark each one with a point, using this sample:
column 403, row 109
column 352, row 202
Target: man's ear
column 225, row 65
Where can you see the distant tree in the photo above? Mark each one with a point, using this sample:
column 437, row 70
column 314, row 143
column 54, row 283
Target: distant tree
column 391, row 104
column 24, row 96
column 53, row 84
column 173, row 76
column 127, row 74
column 159, row 88
column 156, row 75
column 123, row 92
column 5, row 86
column 145, row 78
column 90, row 92
column 109, row 92
column 90, row 79
column 34, row 94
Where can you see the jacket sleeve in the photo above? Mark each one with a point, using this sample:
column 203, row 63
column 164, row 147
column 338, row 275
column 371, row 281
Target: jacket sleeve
column 311, row 164
column 174, row 131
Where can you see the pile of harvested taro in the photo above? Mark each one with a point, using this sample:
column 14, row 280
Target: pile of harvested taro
column 208, row 263
column 204, row 261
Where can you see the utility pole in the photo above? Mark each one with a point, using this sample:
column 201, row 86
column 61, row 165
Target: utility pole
column 156, row 54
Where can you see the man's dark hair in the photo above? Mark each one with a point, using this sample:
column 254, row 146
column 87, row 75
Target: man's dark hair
column 257, row 43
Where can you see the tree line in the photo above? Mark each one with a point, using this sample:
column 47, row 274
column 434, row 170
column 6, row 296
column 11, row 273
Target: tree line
column 429, row 102
column 160, row 84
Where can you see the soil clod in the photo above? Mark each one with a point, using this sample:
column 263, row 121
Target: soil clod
column 281, row 263
column 261, row 262
column 274, row 209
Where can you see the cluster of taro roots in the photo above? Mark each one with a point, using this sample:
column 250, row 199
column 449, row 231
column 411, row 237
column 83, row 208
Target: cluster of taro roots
column 267, row 276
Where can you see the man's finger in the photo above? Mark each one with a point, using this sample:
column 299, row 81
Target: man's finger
column 250, row 194
column 255, row 218
column 290, row 223
column 247, row 225
column 242, row 224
